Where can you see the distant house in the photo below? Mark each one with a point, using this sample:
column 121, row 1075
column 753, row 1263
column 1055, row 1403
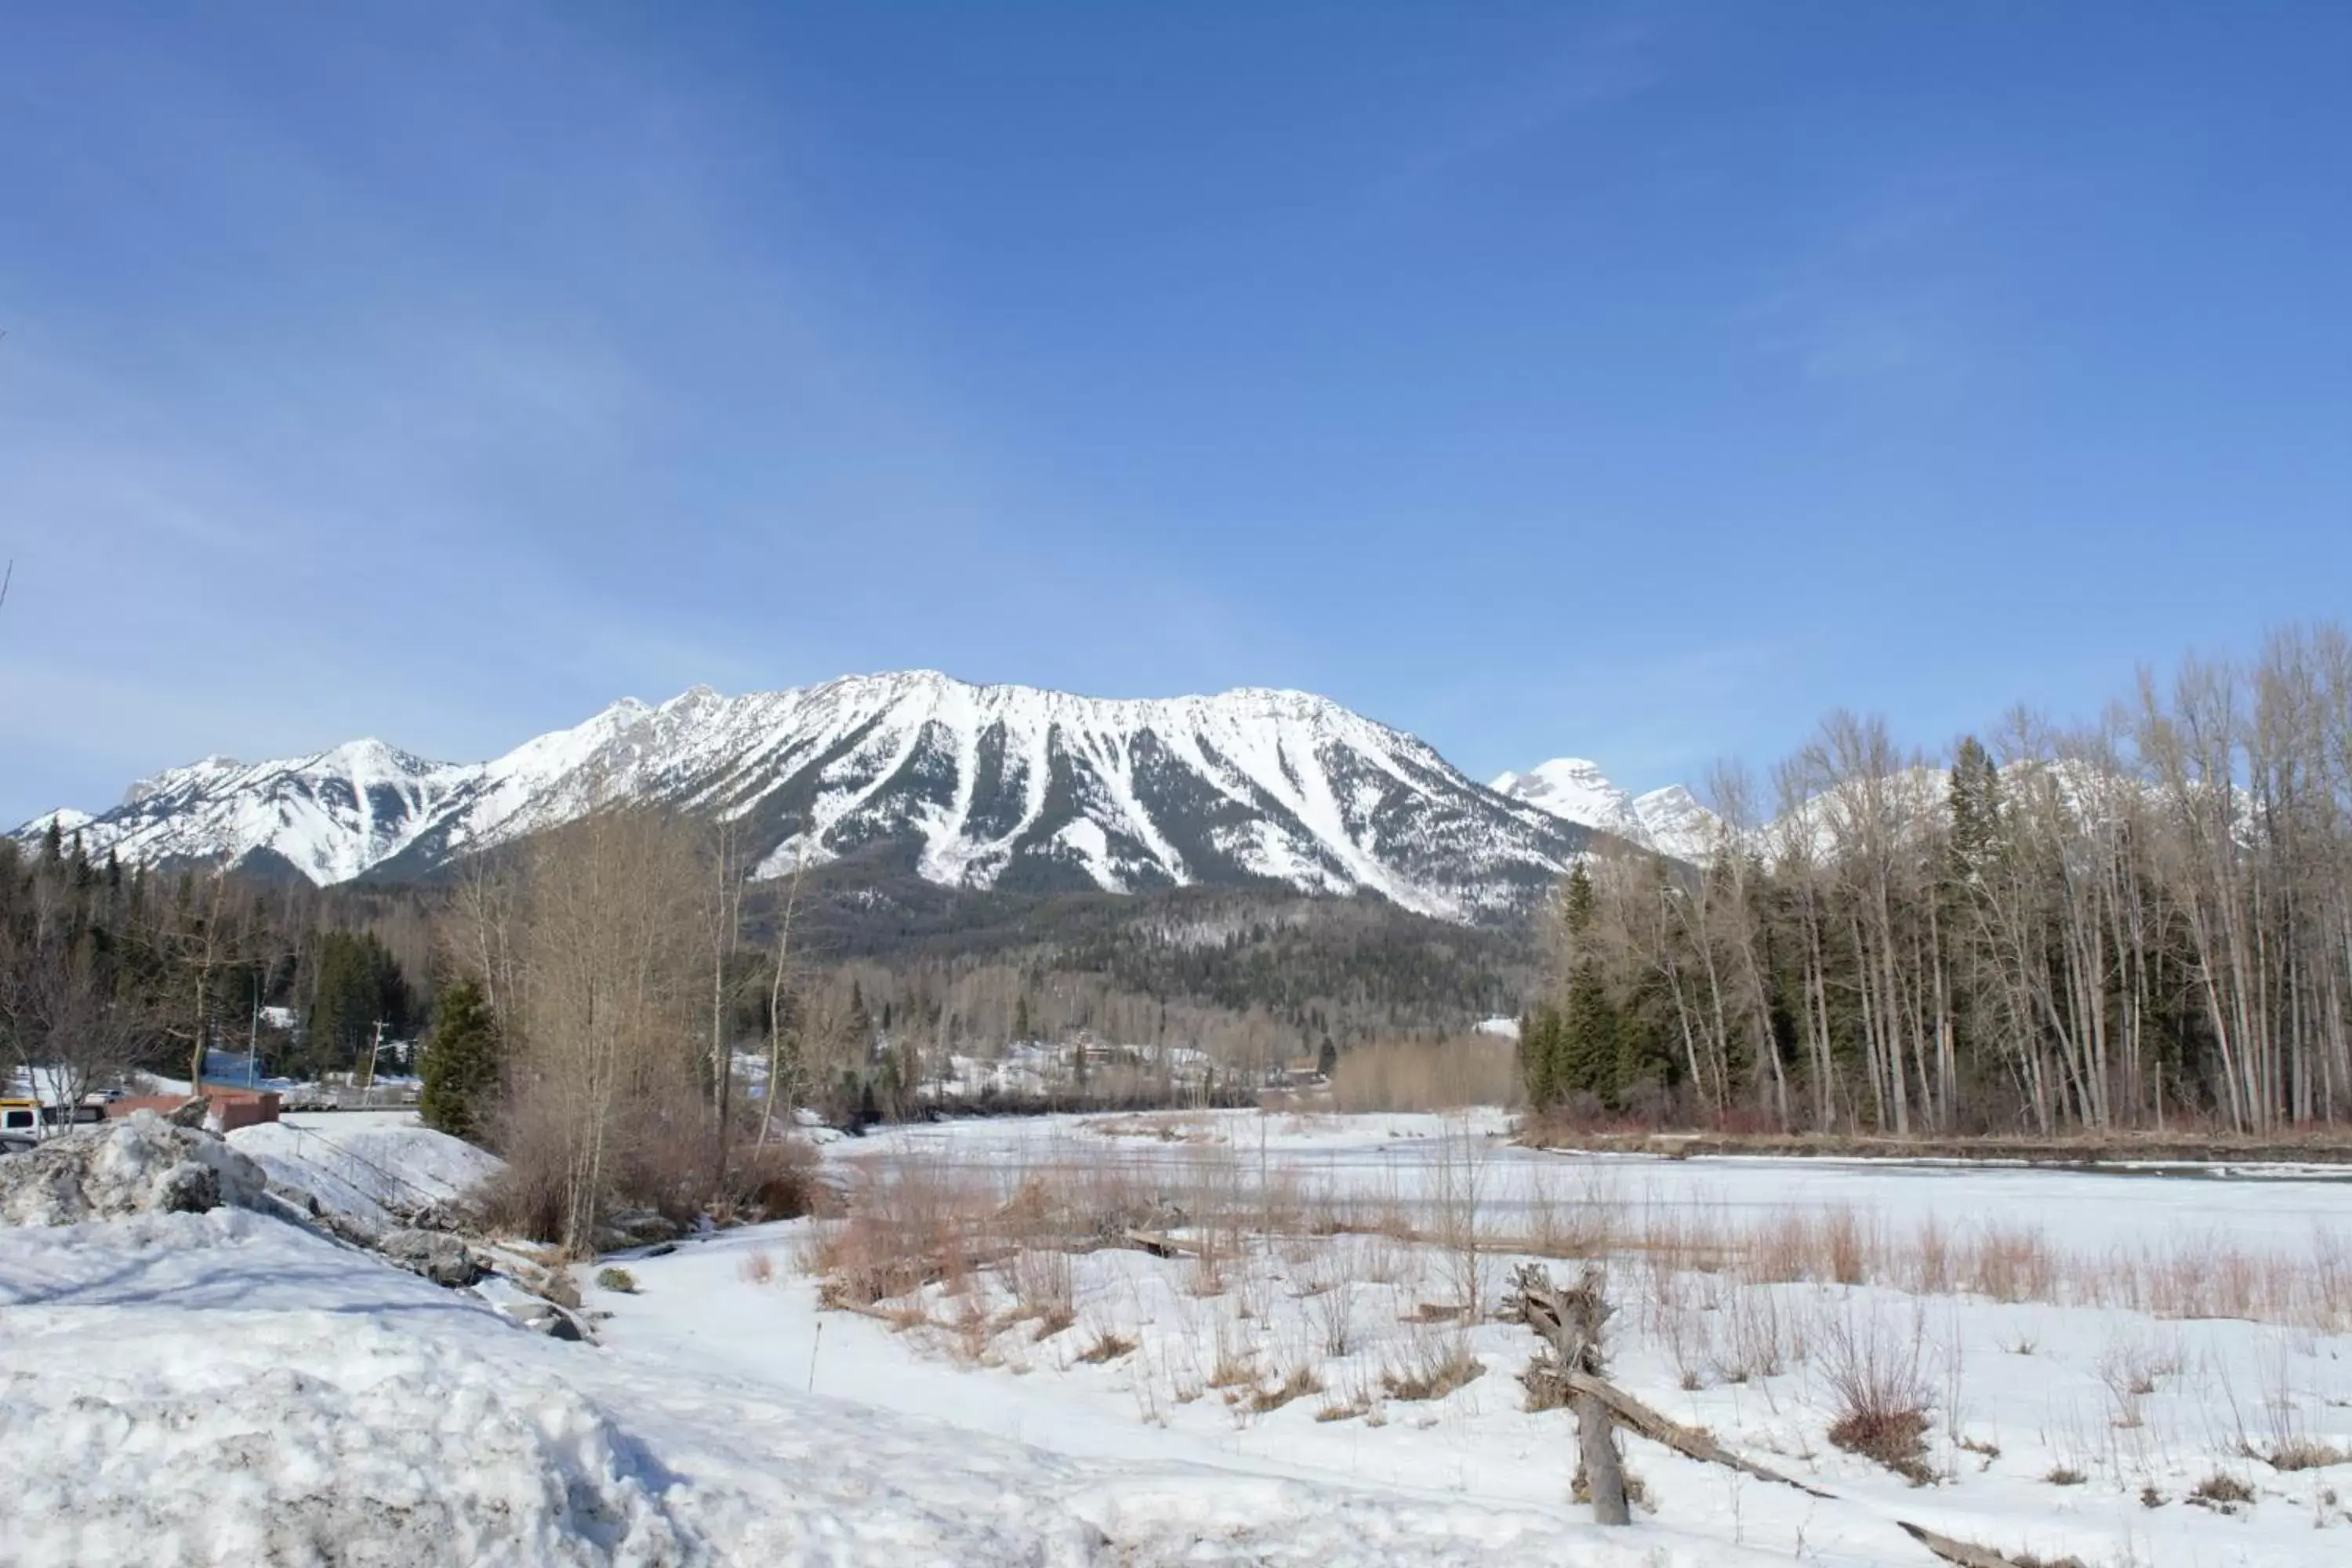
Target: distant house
column 231, row 1107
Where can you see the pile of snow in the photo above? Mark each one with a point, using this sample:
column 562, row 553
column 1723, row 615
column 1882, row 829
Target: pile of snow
column 374, row 1171
column 141, row 1164
column 319, row 1422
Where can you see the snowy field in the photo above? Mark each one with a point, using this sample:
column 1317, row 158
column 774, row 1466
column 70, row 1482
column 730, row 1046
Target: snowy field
column 1289, row 1388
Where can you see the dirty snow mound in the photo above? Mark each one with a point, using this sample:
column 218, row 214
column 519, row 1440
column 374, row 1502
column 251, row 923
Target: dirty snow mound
column 142, row 1164
column 297, row 1433
column 372, row 1177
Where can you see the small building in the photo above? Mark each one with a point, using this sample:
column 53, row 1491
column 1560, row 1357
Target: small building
column 231, row 1107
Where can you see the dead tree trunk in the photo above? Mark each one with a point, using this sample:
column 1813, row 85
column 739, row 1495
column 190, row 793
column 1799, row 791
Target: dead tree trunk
column 1569, row 1323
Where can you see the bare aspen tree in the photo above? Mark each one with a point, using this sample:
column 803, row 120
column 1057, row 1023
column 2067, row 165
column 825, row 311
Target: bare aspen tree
column 725, row 910
column 607, row 954
column 2080, row 928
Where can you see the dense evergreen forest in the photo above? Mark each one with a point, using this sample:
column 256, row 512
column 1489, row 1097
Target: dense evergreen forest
column 104, row 967
column 1248, row 974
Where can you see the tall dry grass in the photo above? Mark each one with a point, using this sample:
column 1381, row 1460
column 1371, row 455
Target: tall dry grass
column 1411, row 1074
column 909, row 1223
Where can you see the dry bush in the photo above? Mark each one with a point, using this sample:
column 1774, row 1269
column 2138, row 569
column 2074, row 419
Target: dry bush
column 1756, row 1342
column 759, row 1268
column 1881, row 1393
column 1846, row 1247
column 1432, row 1366
column 1356, row 1403
column 2131, row 1371
column 2304, row 1454
column 774, row 1181
column 2013, row 1266
column 1107, row 1346
column 1459, row 1194
column 909, row 1224
column 1381, row 1259
column 1236, row 1362
column 2221, row 1491
column 528, row 1197
column 1929, row 1261
column 1297, row 1384
column 1330, row 1303
column 1779, row 1251
column 1451, row 1074
column 1044, row 1289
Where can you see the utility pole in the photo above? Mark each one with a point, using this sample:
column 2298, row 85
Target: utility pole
column 373, row 1051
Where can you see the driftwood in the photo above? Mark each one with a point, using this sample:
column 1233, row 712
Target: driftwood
column 1569, row 1323
column 1959, row 1552
column 1160, row 1244
column 1568, row 1370
column 1565, row 1320
column 1687, row 1441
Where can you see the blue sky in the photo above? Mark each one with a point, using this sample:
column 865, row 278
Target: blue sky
column 1629, row 381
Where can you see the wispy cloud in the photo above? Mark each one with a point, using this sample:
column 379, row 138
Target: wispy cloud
column 1891, row 300
column 1595, row 63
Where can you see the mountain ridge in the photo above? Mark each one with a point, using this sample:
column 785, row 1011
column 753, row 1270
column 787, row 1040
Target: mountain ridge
column 1669, row 820
column 961, row 784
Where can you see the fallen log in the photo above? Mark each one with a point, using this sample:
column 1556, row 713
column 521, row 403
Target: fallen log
column 1958, row 1552
column 1687, row 1441
column 1161, row 1245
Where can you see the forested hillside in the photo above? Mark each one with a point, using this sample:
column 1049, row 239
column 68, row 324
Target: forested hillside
column 1246, row 975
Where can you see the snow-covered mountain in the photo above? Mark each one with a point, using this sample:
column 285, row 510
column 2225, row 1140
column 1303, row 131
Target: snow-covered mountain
column 978, row 786
column 1669, row 820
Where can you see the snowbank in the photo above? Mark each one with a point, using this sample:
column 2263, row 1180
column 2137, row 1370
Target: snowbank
column 181, row 1389
column 139, row 1164
column 372, row 1173
column 289, row 1429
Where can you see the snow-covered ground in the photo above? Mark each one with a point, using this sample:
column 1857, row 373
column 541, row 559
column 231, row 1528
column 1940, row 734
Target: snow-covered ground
column 230, row 1387
column 227, row 1388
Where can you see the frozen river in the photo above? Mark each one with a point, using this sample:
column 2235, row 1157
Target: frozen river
column 1408, row 1158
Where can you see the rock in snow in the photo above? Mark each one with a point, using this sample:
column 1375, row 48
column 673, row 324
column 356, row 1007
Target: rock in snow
column 141, row 1164
column 438, row 1256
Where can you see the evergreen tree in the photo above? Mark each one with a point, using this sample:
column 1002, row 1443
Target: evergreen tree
column 358, row 986
column 1588, row 1044
column 1974, row 797
column 1539, row 1056
column 462, row 1063
column 861, row 1022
